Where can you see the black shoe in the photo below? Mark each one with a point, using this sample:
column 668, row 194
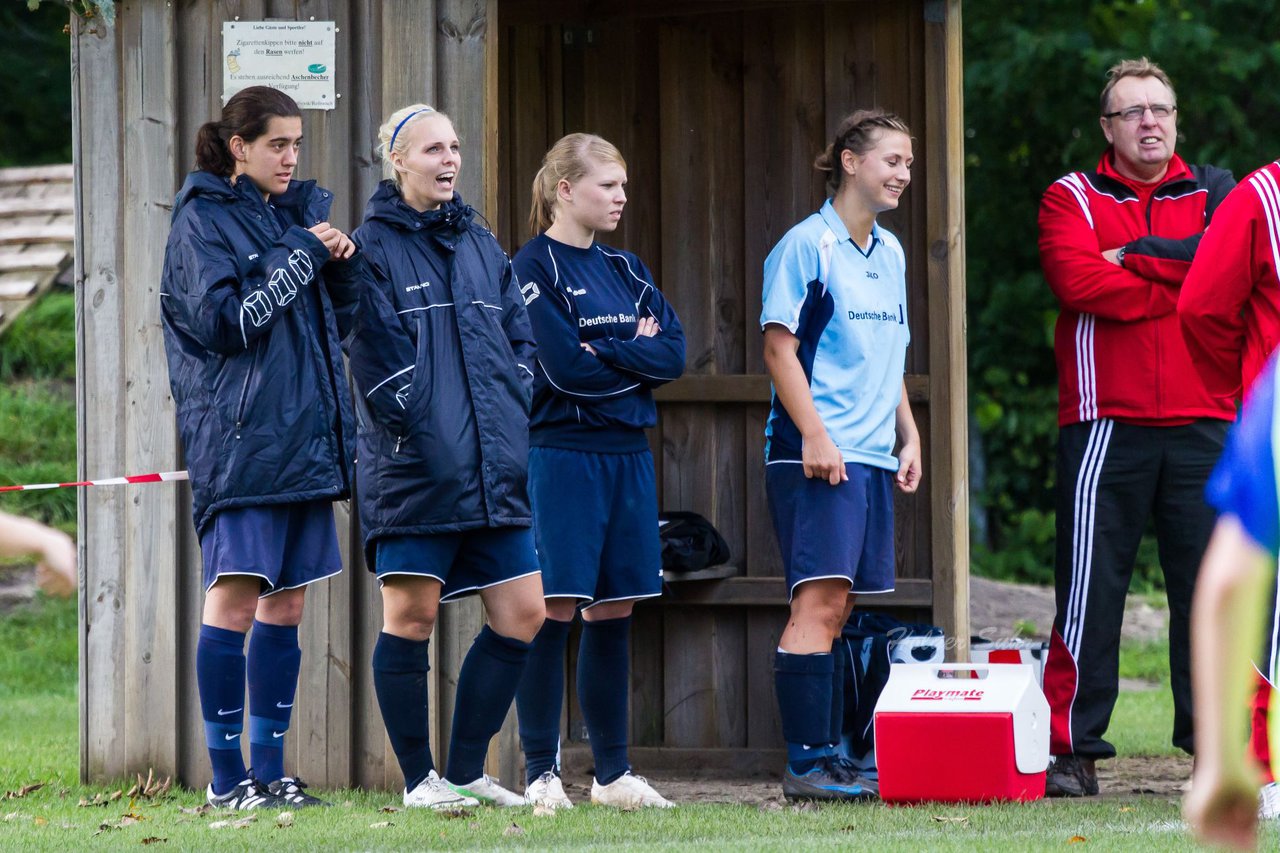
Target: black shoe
column 824, row 781
column 249, row 794
column 290, row 791
column 1071, row 776
column 843, row 766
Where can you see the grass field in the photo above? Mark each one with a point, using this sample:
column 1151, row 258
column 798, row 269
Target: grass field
column 38, row 744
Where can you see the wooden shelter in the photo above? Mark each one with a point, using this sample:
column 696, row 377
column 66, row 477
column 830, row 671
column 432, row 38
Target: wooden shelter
column 36, row 235
column 719, row 108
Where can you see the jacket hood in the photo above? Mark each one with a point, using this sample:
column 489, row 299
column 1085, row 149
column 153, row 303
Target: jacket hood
column 201, row 183
column 387, row 205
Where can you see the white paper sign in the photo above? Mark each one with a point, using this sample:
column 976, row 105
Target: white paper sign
column 295, row 57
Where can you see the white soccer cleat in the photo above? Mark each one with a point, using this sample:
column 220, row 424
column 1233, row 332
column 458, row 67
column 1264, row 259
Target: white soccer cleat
column 434, row 793
column 1269, row 801
column 487, row 790
column 547, row 791
column 628, row 791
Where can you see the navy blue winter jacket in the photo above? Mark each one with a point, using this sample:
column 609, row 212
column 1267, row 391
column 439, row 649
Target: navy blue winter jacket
column 597, row 296
column 442, row 356
column 263, row 406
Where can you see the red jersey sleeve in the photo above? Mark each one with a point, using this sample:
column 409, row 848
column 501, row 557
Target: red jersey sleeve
column 1210, row 306
column 1080, row 277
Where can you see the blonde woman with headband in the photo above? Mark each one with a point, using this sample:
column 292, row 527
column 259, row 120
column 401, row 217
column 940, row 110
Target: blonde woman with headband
column 443, row 361
column 606, row 338
column 835, row 343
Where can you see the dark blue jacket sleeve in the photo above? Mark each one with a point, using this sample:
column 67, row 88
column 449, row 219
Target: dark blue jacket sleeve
column 344, row 280
column 381, row 351
column 515, row 321
column 224, row 309
column 572, row 371
column 653, row 360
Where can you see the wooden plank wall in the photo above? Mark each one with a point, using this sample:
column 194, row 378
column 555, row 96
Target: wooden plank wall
column 719, row 110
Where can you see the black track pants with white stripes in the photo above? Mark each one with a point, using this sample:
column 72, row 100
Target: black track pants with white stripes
column 1112, row 478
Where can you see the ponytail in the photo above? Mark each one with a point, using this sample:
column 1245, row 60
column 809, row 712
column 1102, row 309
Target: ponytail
column 246, row 115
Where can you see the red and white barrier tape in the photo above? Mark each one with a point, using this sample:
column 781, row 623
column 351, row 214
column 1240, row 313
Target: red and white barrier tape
column 159, row 477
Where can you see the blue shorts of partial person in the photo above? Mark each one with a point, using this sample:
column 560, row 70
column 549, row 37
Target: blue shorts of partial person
column 827, row 531
column 464, row 562
column 285, row 545
column 595, row 518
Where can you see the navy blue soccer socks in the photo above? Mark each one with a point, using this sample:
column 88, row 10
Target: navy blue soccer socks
column 486, row 686
column 540, row 698
column 400, row 670
column 220, row 675
column 273, row 661
column 603, row 684
column 804, row 685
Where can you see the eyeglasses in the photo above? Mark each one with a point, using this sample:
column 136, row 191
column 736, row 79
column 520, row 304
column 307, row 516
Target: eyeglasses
column 1136, row 113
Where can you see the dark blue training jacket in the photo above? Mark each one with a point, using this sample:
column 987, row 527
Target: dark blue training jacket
column 441, row 354
column 263, row 407
column 602, row 402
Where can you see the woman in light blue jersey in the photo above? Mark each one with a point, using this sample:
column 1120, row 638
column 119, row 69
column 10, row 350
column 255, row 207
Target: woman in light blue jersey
column 835, row 340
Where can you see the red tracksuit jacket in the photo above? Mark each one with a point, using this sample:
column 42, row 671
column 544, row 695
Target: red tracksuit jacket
column 1118, row 341
column 1230, row 302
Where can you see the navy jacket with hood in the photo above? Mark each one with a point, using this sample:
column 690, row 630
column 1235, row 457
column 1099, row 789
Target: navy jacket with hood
column 442, row 356
column 263, row 405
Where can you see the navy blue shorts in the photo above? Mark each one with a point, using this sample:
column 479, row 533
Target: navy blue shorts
column 595, row 518
column 827, row 531
column 464, row 562
column 286, row 545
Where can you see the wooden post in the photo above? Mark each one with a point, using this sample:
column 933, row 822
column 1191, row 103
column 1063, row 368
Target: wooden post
column 948, row 386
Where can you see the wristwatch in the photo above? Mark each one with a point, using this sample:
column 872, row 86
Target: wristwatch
column 1120, row 256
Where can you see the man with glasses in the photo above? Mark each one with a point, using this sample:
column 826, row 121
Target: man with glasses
column 1138, row 431
column 1230, row 312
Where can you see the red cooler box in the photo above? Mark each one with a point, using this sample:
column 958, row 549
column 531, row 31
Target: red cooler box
column 961, row 733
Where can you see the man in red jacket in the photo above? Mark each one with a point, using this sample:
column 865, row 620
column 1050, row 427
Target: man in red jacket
column 1230, row 313
column 1138, row 431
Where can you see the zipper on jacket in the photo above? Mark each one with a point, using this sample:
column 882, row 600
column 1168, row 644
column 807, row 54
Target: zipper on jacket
column 399, row 439
column 244, row 395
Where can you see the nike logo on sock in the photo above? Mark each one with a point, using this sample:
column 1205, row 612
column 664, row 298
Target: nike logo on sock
column 232, row 737
column 222, row 713
column 277, row 734
column 278, row 705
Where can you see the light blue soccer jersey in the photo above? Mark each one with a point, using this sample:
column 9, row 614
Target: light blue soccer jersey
column 849, row 310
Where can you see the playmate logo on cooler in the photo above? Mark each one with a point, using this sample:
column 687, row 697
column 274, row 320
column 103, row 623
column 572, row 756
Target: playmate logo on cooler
column 925, row 694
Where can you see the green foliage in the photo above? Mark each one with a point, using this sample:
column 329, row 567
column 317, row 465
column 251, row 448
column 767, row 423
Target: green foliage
column 37, row 411
column 38, row 650
column 1033, row 73
column 35, row 92
column 41, row 342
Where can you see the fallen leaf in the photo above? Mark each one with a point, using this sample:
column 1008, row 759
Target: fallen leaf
column 244, row 822
column 771, row 806
column 950, row 819
column 382, row 825
column 849, row 828
column 98, row 800
column 1126, row 809
column 542, row 811
column 12, row 816
column 284, row 819
column 129, row 820
column 115, row 795
column 1076, row 839
column 804, row 806
column 220, row 824
column 154, row 840
column 23, row 791
column 388, row 810
column 105, row 826
column 40, row 821
column 453, row 814
column 514, row 829
column 201, row 809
